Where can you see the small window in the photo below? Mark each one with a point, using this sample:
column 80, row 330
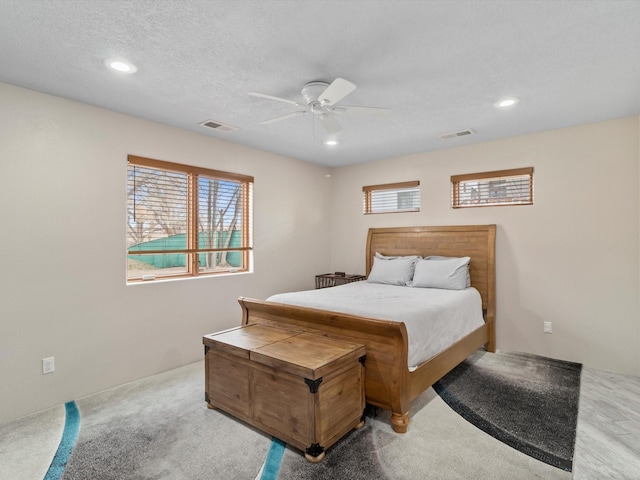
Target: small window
column 186, row 221
column 504, row 187
column 392, row 198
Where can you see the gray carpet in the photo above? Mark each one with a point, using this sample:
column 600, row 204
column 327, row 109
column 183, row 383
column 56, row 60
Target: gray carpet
column 160, row 428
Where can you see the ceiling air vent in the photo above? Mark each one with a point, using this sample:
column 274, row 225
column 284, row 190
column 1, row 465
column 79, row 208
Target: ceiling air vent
column 218, row 126
column 461, row 133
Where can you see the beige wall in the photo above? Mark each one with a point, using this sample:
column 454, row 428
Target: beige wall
column 62, row 217
column 572, row 258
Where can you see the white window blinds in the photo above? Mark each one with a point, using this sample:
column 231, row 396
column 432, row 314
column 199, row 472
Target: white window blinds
column 504, row 187
column 184, row 220
column 391, row 198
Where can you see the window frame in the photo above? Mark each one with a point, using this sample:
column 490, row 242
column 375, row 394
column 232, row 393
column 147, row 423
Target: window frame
column 368, row 191
column 192, row 250
column 457, row 180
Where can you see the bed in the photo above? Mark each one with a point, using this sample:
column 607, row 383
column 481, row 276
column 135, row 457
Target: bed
column 390, row 381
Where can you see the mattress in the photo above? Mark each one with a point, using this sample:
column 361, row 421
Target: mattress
column 434, row 318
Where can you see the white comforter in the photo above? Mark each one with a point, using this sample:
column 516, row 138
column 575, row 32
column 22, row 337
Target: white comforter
column 434, row 318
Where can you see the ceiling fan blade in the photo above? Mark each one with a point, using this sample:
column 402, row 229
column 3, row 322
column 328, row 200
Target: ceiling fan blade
column 335, row 92
column 277, row 99
column 329, row 123
column 353, row 110
column 284, row 117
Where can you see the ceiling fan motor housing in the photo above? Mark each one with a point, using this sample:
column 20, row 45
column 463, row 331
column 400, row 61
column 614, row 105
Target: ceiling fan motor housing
column 312, row 90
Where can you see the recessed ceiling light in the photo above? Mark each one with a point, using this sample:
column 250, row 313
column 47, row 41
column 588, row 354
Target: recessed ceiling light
column 331, row 142
column 506, row 103
column 120, row 65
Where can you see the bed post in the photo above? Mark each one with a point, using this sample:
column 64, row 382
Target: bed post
column 399, row 422
column 245, row 311
column 491, row 344
column 491, row 287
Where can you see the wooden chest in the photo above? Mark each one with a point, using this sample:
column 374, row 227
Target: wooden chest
column 301, row 387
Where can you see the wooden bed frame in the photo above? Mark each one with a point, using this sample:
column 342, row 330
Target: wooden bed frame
column 388, row 382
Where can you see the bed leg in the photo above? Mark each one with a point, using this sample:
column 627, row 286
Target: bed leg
column 491, row 344
column 399, row 422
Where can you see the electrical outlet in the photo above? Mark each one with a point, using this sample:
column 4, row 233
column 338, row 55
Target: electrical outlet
column 48, row 365
column 547, row 327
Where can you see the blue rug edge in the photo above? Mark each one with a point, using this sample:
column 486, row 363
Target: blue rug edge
column 274, row 460
column 67, row 442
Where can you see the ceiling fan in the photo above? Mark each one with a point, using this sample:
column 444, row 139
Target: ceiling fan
column 321, row 99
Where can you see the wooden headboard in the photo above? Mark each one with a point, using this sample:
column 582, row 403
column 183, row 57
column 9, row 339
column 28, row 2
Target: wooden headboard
column 475, row 241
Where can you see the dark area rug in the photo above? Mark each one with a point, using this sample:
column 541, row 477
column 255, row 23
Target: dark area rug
column 527, row 402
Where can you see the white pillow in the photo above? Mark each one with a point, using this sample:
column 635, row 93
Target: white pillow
column 449, row 274
column 438, row 257
column 392, row 270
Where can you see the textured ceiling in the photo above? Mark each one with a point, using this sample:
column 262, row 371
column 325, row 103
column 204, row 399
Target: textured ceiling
column 439, row 65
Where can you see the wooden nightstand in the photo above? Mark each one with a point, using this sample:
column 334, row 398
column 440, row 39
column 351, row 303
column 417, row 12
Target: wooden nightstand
column 332, row 279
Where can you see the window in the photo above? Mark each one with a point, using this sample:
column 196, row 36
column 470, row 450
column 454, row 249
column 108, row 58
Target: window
column 392, row 198
column 186, row 221
column 504, row 187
